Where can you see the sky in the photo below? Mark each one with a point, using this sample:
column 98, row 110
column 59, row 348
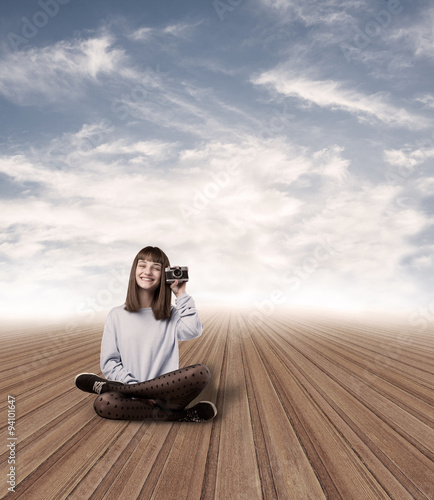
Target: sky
column 282, row 149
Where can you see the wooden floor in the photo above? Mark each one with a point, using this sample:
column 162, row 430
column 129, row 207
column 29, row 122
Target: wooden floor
column 309, row 408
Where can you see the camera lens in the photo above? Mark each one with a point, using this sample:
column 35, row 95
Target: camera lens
column 177, row 273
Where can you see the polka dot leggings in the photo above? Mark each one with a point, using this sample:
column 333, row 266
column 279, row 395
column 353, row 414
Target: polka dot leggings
column 172, row 392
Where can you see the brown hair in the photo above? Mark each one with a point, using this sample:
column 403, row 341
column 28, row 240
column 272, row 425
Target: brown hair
column 163, row 294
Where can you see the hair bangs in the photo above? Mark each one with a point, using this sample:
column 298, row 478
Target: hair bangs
column 153, row 254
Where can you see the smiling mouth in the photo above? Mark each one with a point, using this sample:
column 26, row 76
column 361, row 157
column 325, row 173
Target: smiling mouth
column 147, row 279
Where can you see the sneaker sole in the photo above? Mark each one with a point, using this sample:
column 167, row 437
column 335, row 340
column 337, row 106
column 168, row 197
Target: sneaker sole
column 213, row 407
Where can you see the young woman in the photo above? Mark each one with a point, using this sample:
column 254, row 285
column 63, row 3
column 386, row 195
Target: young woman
column 139, row 351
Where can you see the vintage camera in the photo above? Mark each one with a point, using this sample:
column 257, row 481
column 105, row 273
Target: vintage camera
column 176, row 273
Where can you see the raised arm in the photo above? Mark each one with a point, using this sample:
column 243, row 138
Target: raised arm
column 189, row 325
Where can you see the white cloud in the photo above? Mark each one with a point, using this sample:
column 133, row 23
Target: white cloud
column 312, row 12
column 58, row 71
column 424, row 261
column 178, row 30
column 332, row 164
column 181, row 29
column 143, row 33
column 248, row 222
column 178, row 105
column 155, row 149
column 241, row 210
column 425, row 186
column 410, row 156
column 418, row 36
column 427, row 99
column 334, row 96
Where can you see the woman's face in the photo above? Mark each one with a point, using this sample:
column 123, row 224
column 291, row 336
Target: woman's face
column 148, row 275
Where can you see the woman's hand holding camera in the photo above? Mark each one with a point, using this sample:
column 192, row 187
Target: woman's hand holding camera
column 178, row 288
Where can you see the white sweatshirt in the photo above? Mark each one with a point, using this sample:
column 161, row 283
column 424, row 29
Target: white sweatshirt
column 137, row 347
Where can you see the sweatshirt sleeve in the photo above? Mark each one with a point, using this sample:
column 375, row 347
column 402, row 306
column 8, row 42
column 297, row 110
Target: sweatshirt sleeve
column 188, row 324
column 110, row 360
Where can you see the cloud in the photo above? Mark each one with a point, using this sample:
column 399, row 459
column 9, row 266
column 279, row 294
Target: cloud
column 417, row 35
column 392, row 42
column 427, row 99
column 178, row 30
column 388, row 38
column 425, row 186
column 59, row 71
column 196, row 161
column 311, row 12
column 249, row 217
column 175, row 103
column 143, row 33
column 410, row 156
column 333, row 95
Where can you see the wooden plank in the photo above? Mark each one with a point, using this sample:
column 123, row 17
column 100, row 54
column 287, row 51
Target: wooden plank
column 377, row 433
column 342, row 473
column 278, row 448
column 237, row 469
column 310, row 406
column 408, row 394
column 95, row 482
column 382, row 354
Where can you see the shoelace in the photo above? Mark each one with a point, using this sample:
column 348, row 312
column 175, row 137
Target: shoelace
column 97, row 386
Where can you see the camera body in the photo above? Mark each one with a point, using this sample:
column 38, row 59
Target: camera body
column 179, row 273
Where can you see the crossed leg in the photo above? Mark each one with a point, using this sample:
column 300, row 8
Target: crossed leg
column 172, row 391
column 116, row 406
